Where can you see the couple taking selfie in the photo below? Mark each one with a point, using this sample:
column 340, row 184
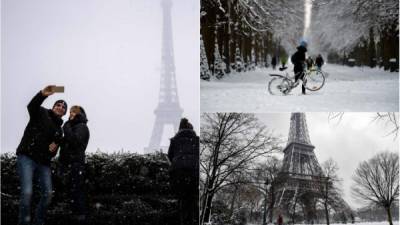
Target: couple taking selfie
column 43, row 137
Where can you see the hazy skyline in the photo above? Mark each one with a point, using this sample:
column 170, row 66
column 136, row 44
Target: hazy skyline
column 350, row 141
column 107, row 54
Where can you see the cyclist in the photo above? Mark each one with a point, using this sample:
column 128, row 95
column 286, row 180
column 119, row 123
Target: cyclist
column 298, row 59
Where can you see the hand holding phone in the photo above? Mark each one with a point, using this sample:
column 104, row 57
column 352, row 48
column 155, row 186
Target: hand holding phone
column 58, row 89
column 51, row 89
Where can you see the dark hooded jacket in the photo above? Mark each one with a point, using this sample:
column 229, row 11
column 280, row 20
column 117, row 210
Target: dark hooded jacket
column 44, row 127
column 299, row 58
column 75, row 141
column 183, row 151
column 319, row 61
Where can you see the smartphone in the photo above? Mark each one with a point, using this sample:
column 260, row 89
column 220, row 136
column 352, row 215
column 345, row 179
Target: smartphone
column 59, row 89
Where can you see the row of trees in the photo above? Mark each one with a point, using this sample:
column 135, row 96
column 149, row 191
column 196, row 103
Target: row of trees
column 239, row 173
column 240, row 34
column 364, row 32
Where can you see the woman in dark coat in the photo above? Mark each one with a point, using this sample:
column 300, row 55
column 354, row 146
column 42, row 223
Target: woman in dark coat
column 183, row 153
column 72, row 159
column 319, row 61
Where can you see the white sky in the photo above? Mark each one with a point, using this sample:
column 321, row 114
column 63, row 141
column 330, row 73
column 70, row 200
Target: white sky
column 107, row 54
column 307, row 17
column 349, row 142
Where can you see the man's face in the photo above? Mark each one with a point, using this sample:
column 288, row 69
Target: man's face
column 59, row 109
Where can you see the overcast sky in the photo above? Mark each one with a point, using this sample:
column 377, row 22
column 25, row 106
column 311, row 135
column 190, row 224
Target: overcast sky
column 352, row 140
column 107, row 54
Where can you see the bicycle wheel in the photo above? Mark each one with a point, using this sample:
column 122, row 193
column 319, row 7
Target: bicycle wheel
column 279, row 86
column 315, row 80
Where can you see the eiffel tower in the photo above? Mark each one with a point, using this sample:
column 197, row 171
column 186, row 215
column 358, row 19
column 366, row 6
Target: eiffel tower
column 300, row 179
column 168, row 110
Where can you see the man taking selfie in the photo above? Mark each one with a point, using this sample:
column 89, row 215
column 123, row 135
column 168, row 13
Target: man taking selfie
column 35, row 151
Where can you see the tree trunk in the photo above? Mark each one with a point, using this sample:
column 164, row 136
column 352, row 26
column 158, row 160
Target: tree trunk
column 227, row 48
column 206, row 210
column 272, row 203
column 233, row 201
column 389, row 213
column 265, row 209
column 326, row 213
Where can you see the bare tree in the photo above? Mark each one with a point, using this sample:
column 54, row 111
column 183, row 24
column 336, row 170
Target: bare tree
column 229, row 142
column 390, row 119
column 377, row 181
column 264, row 177
column 329, row 189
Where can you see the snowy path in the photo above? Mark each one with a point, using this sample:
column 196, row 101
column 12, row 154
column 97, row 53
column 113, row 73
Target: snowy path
column 347, row 89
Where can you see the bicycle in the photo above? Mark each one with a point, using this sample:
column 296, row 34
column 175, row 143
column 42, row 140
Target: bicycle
column 313, row 80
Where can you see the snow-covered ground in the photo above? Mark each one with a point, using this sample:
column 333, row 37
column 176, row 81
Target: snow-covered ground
column 346, row 89
column 360, row 223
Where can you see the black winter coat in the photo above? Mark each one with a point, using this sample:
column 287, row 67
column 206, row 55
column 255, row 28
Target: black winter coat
column 44, row 127
column 319, row 61
column 298, row 58
column 183, row 151
column 75, row 141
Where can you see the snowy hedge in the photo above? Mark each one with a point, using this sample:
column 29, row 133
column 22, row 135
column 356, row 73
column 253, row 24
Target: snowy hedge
column 122, row 188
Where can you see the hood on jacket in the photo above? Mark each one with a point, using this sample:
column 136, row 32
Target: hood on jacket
column 302, row 48
column 80, row 118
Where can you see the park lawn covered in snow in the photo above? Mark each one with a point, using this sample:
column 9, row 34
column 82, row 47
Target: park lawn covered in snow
column 346, row 89
column 358, row 223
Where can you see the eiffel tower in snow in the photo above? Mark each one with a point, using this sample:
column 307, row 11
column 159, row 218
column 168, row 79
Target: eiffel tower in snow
column 301, row 178
column 168, row 110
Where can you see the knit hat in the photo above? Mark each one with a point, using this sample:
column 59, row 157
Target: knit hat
column 63, row 102
column 184, row 124
column 303, row 43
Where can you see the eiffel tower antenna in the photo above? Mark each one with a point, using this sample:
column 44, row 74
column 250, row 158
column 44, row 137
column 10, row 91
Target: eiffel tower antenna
column 168, row 110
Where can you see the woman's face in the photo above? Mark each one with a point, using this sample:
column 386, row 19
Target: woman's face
column 73, row 112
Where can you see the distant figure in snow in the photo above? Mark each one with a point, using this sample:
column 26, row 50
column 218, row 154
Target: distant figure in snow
column 183, row 153
column 280, row 220
column 283, row 61
column 310, row 63
column 274, row 61
column 72, row 160
column 319, row 61
column 298, row 59
column 38, row 146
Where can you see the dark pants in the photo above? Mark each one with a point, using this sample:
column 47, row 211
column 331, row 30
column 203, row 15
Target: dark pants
column 185, row 186
column 73, row 177
column 27, row 169
column 299, row 74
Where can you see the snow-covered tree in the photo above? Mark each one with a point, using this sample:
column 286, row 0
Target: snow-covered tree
column 258, row 22
column 204, row 69
column 219, row 65
column 269, row 59
column 239, row 64
column 253, row 60
column 356, row 22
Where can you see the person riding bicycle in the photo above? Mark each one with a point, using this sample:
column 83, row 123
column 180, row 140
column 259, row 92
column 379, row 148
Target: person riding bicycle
column 298, row 59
